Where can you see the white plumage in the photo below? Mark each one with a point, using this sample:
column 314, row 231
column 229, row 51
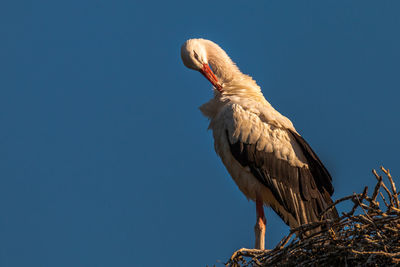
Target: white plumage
column 266, row 157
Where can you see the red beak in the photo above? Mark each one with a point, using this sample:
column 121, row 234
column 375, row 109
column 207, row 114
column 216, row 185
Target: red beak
column 207, row 72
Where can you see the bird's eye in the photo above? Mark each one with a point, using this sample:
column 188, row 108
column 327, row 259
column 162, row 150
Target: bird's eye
column 196, row 56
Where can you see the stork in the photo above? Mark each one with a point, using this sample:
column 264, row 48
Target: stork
column 267, row 158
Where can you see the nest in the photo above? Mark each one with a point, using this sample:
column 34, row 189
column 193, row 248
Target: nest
column 370, row 237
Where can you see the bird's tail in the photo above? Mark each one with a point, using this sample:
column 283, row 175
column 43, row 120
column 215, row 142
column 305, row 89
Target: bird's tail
column 321, row 213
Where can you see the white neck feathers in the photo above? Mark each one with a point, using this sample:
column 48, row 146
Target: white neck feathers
column 233, row 81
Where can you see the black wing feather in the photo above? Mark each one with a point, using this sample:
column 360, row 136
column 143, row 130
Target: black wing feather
column 311, row 185
column 322, row 177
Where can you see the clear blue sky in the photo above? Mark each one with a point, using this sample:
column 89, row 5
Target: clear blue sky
column 105, row 159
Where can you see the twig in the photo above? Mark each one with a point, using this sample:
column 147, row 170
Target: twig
column 384, row 201
column 376, row 190
column 384, row 187
column 334, row 204
column 392, row 184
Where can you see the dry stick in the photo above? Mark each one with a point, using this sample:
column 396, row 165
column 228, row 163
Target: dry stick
column 384, row 187
column 334, row 204
column 284, row 241
column 247, row 252
column 377, row 253
column 384, row 201
column 376, row 190
column 360, row 204
column 309, row 226
column 371, row 220
column 370, row 210
column 364, row 193
column 389, row 194
column 396, row 210
column 357, row 203
column 392, row 184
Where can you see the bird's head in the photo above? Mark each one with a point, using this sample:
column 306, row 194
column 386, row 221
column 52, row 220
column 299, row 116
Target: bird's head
column 194, row 56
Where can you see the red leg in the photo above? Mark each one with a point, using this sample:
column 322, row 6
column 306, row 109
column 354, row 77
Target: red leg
column 259, row 228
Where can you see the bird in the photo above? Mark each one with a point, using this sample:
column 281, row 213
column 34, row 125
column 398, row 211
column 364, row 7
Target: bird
column 268, row 159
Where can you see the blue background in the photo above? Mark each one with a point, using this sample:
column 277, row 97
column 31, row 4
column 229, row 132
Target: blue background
column 105, row 159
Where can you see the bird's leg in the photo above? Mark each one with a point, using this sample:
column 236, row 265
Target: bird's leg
column 259, row 228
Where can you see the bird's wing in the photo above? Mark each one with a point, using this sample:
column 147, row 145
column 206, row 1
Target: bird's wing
column 282, row 161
